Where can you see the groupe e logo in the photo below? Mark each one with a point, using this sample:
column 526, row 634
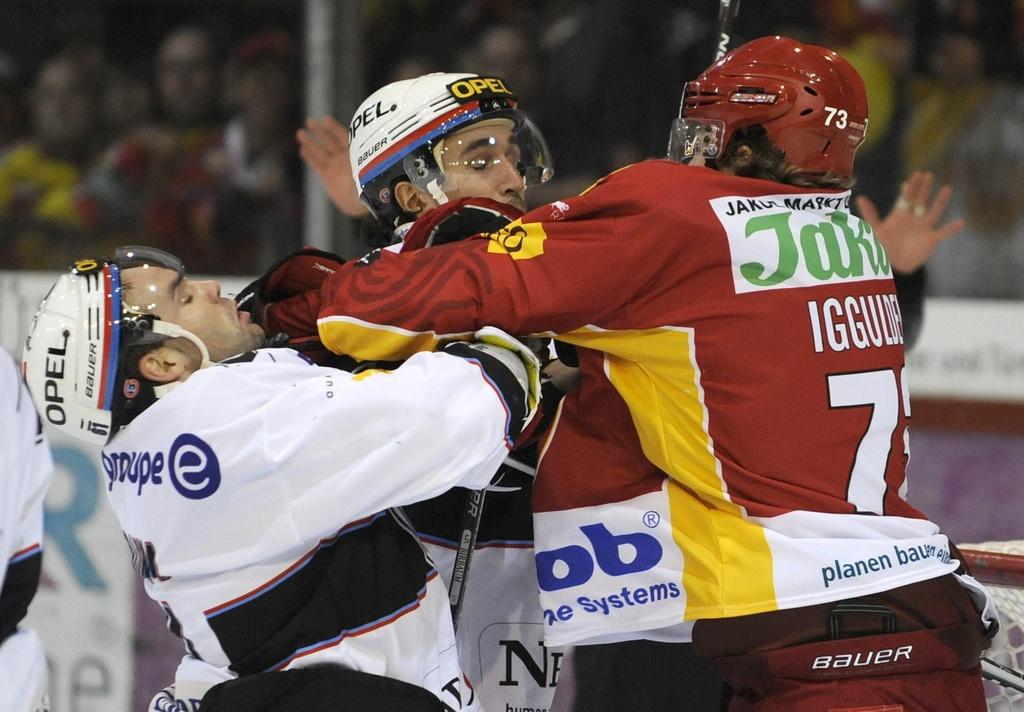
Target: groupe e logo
column 190, row 464
column 193, row 467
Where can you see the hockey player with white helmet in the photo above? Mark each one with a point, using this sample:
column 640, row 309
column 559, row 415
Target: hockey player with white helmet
column 423, row 142
column 436, row 159
column 255, row 488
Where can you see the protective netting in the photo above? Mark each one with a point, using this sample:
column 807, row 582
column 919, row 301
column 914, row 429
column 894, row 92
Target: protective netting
column 1008, row 646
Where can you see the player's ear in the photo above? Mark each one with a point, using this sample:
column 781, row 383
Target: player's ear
column 410, row 199
column 164, row 364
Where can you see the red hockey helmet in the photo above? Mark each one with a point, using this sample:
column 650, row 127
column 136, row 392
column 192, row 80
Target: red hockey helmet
column 810, row 101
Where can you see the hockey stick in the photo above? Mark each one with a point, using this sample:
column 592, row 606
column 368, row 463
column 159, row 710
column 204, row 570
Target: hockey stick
column 727, row 10
column 1007, row 677
column 468, row 529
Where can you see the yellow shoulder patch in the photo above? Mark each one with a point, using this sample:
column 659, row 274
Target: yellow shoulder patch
column 518, row 240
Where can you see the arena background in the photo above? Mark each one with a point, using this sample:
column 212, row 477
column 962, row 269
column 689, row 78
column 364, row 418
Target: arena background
column 602, row 79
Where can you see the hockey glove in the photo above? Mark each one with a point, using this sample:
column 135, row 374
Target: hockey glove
column 510, row 365
column 286, row 299
column 458, row 220
column 301, row 271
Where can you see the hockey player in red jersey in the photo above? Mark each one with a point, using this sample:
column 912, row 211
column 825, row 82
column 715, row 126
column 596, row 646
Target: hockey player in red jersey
column 256, row 489
column 732, row 468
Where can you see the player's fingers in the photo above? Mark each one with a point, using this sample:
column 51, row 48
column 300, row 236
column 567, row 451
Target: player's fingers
column 335, row 136
column 335, row 126
column 304, row 137
column 326, row 134
column 949, row 229
column 902, row 203
column 912, row 187
column 313, row 157
column 920, row 190
column 314, row 125
column 939, row 205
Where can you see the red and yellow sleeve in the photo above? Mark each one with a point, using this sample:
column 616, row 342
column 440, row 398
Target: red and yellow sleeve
column 558, row 268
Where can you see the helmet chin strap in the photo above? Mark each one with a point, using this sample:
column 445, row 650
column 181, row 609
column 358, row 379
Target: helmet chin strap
column 174, row 331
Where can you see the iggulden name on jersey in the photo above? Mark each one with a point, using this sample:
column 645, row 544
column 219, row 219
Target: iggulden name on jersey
column 855, row 322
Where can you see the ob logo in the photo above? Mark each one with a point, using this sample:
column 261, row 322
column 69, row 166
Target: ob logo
column 573, row 565
column 194, row 468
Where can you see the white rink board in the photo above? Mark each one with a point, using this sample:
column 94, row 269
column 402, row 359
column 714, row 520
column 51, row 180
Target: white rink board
column 970, row 349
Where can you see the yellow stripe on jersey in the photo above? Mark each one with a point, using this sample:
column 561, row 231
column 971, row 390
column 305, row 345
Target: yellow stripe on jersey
column 367, row 341
column 728, row 565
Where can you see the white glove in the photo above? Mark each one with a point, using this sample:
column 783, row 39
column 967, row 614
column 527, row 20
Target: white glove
column 528, row 361
column 513, row 358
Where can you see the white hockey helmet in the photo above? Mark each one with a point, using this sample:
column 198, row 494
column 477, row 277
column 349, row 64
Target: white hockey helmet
column 396, row 132
column 72, row 355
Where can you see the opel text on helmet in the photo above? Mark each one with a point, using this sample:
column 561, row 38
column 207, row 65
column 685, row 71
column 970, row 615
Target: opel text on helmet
column 810, row 101
column 72, row 355
column 400, row 133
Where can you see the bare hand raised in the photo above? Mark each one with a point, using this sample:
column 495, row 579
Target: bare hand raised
column 323, row 145
column 910, row 232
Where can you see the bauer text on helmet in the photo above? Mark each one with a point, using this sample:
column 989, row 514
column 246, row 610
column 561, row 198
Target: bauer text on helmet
column 397, row 131
column 810, row 101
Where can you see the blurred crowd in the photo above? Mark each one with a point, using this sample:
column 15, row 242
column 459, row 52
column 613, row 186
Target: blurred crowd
column 198, row 157
column 193, row 149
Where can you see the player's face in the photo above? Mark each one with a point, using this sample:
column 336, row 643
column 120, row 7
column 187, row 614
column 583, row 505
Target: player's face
column 195, row 306
column 482, row 161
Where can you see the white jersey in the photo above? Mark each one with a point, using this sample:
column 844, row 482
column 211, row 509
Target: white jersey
column 25, row 472
column 255, row 497
column 501, row 626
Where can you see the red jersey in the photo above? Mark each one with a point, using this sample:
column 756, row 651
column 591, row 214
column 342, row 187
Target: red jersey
column 738, row 443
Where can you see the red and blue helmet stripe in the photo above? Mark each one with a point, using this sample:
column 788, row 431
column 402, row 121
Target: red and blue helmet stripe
column 442, row 125
column 111, row 325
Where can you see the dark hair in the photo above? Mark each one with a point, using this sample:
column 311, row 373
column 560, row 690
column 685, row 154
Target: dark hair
column 768, row 162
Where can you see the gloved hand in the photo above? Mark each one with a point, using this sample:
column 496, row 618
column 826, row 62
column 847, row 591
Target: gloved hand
column 458, row 220
column 286, row 299
column 512, row 367
column 301, row 271
column 531, row 364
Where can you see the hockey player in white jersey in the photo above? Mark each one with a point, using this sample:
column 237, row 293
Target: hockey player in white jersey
column 26, row 469
column 255, row 494
column 436, row 159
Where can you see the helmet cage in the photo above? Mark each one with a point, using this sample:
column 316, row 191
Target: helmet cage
column 396, row 129
column 423, row 168
column 696, row 141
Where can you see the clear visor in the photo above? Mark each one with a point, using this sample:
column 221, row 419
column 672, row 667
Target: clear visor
column 695, row 141
column 492, row 151
column 139, row 260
